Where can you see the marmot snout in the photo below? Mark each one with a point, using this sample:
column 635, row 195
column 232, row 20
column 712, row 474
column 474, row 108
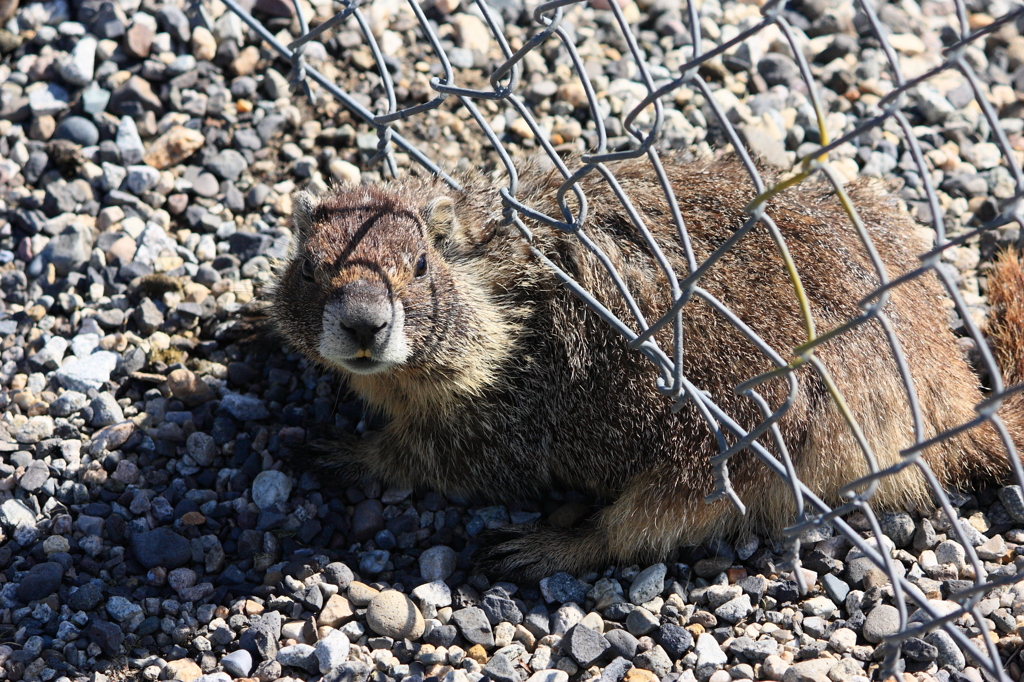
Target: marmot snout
column 497, row 382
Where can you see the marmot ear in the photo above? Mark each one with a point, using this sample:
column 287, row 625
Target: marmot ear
column 303, row 204
column 439, row 215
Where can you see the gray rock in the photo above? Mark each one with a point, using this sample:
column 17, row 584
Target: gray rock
column 261, row 639
column 95, row 99
column 438, row 563
column 613, row 672
column 585, row 645
column 710, row 656
column 735, row 610
column 90, row 372
column 950, row 552
column 474, row 626
column 500, row 669
column 78, row 70
column 562, row 588
column 271, row 488
column 122, row 610
column 50, row 355
column 161, row 547
column 655, row 660
column 148, row 316
column 565, row 618
column 337, row 573
column 948, row 652
column 835, row 588
column 68, row 404
column 1013, row 502
column 34, row 430
column 648, row 584
column 49, row 100
column 129, row 142
column 299, row 656
column 203, row 449
column 898, row 526
column 69, row 250
column 500, row 608
column 778, row 69
column 141, row 178
column 433, row 596
column 624, row 644
column 227, row 165
column 754, row 650
column 40, row 582
column 881, row 621
column 105, row 410
column 244, row 407
column 35, row 476
column 641, row 622
column 174, row 21
column 332, row 651
column 375, row 561
column 14, row 513
column 238, row 663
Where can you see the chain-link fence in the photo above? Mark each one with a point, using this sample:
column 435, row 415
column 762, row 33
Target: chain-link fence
column 644, row 132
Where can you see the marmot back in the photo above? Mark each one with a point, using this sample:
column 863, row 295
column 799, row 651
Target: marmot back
column 497, row 382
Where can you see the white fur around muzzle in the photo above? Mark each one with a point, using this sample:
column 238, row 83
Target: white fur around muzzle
column 338, row 349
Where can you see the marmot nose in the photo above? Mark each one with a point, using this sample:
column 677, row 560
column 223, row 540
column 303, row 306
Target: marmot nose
column 366, row 313
column 363, row 332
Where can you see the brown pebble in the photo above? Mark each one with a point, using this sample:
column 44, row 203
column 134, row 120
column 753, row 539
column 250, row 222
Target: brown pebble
column 478, row 653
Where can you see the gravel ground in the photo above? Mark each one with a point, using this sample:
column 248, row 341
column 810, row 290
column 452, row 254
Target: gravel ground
column 151, row 525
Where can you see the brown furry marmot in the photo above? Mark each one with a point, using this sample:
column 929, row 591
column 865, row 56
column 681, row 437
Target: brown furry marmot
column 497, row 382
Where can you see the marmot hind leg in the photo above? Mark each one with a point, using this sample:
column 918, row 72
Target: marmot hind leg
column 529, row 552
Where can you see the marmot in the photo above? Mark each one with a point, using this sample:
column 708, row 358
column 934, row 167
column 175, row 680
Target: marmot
column 496, row 381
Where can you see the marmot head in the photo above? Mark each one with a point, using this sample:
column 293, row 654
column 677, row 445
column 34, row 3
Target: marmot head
column 370, row 289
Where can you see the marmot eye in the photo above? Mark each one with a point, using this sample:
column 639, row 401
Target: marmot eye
column 307, row 269
column 421, row 265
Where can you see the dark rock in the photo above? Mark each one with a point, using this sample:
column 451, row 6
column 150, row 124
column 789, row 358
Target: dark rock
column 778, row 69
column 106, row 635
column 261, row 639
column 499, row 608
column 367, row 520
column 474, row 626
column 34, row 477
column 161, row 547
column 585, row 645
column 675, row 640
column 919, row 650
column 616, row 670
column 623, row 643
column 441, row 635
column 562, row 588
column 77, row 129
column 40, row 582
column 86, row 598
column 174, row 21
column 134, row 97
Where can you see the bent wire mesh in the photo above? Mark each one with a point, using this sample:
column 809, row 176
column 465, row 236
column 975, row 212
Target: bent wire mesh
column 648, row 99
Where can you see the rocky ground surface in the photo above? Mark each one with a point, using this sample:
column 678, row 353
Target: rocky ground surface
column 151, row 525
